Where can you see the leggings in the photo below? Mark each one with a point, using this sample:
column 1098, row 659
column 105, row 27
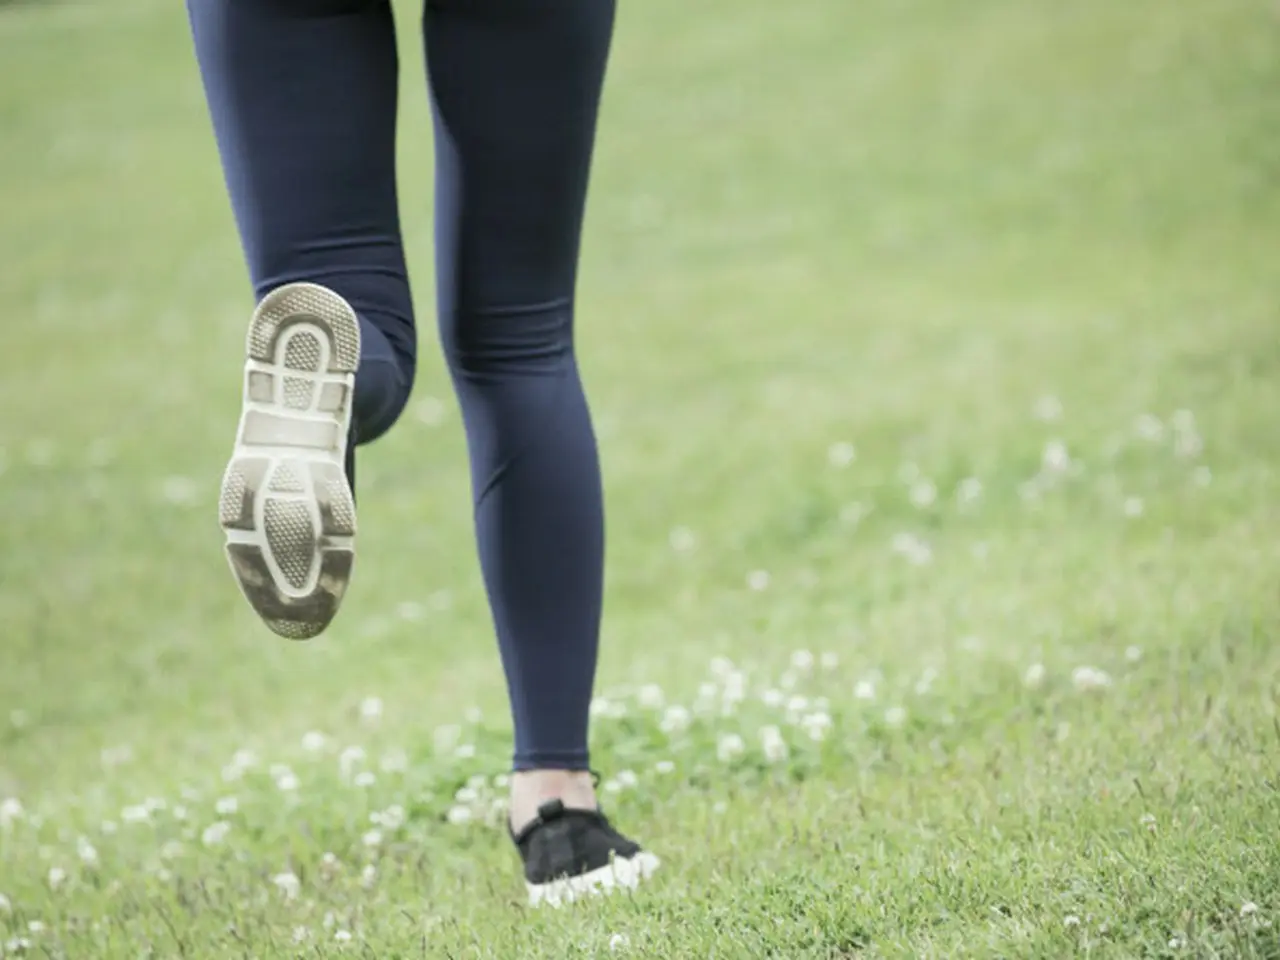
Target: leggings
column 303, row 99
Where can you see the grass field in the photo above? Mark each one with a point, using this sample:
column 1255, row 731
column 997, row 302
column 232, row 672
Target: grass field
column 935, row 350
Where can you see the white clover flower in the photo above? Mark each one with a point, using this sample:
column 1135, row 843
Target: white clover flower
column 1055, row 458
column 664, row 766
column 681, row 539
column 138, row 813
column 969, row 490
column 1133, row 654
column 1149, row 428
column 925, row 683
column 10, row 811
column 651, row 696
column 923, row 494
column 342, row 936
column 349, row 759
column 394, row 761
column 392, row 818
column 215, row 833
column 802, row 660
column 459, row 816
column 365, row 778
column 86, row 851
column 895, row 716
column 729, row 747
column 372, row 838
column 1248, row 908
column 1071, row 920
column 313, row 741
column 1090, row 678
column 773, row 698
column 371, row 709
column 841, row 454
column 410, row 611
column 830, row 660
column 465, row 751
column 627, row 778
column 816, row 725
column 912, row 548
column 619, row 941
column 57, row 876
column 430, row 411
column 675, row 719
column 758, row 580
column 1034, row 676
column 735, row 688
column 773, row 744
column 865, row 690
column 368, row 876
column 288, row 884
column 226, row 806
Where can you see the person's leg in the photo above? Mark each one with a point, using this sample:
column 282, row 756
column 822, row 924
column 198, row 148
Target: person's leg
column 515, row 87
column 302, row 94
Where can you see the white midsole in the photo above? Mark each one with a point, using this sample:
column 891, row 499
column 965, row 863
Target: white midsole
column 624, row 874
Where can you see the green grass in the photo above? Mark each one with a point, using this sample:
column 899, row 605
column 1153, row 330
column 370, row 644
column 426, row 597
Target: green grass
column 899, row 224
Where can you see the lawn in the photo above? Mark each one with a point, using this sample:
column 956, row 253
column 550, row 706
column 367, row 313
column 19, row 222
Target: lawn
column 935, row 353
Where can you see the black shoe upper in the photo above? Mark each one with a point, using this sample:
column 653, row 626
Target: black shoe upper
column 561, row 842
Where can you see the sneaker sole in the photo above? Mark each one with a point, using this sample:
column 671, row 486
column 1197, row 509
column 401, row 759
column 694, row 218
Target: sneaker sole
column 619, row 875
column 286, row 506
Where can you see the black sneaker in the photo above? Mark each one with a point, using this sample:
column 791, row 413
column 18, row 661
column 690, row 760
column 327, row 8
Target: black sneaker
column 569, row 854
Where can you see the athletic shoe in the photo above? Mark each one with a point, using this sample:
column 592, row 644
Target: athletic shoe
column 287, row 505
column 570, row 854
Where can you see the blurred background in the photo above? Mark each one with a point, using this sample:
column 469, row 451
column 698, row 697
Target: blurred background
column 851, row 271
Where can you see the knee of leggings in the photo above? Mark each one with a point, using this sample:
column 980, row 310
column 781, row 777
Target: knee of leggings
column 382, row 393
column 517, row 339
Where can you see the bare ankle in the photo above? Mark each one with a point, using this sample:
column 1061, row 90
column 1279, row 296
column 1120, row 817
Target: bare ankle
column 532, row 788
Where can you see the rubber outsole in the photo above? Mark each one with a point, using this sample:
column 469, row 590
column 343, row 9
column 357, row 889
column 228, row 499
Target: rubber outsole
column 286, row 506
column 621, row 874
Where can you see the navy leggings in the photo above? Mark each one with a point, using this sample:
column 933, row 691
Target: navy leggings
column 302, row 95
